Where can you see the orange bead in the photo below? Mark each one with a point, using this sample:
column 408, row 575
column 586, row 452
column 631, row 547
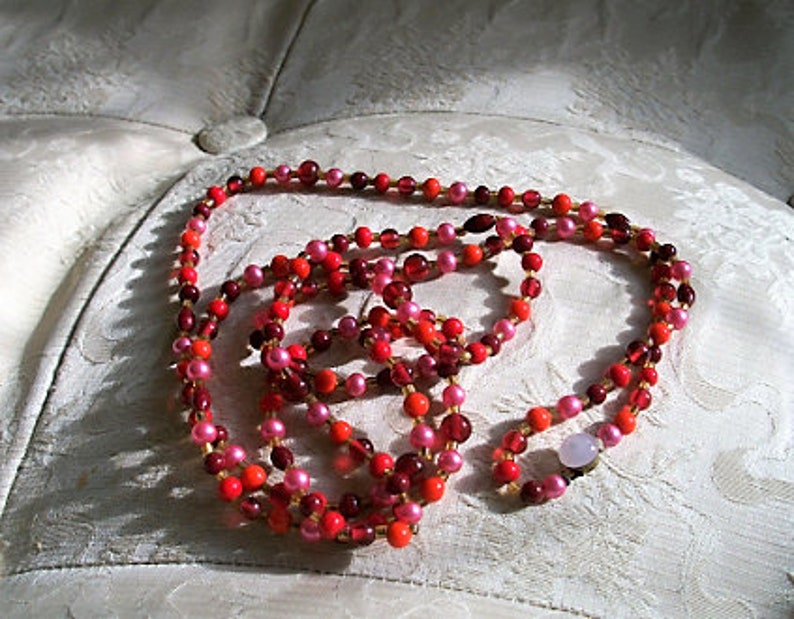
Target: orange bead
column 521, row 309
column 340, row 432
column 399, row 534
column 424, row 332
column 592, row 231
column 661, row 309
column 253, row 477
column 201, row 349
column 472, row 255
column 416, row 404
column 325, row 381
column 191, row 239
column 659, row 332
column 301, row 267
column 418, row 236
column 430, row 189
column 538, row 418
column 561, row 204
column 432, row 489
column 626, row 420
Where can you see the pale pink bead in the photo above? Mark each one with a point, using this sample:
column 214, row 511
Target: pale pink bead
column 587, row 211
column 356, row 385
column 677, row 317
column 569, row 406
column 271, row 428
column 317, row 413
column 566, row 227
column 253, row 276
column 180, row 345
column 447, row 262
column 316, row 250
column 310, row 530
column 506, row 226
column 277, row 358
column 348, row 327
column 385, row 266
column 409, row 512
column 505, row 328
column 233, row 454
column 198, row 369
column 408, row 311
column 426, row 366
column 554, row 486
column 296, row 480
column 204, row 432
column 457, row 192
column 334, row 177
column 283, row 174
column 453, row 395
column 197, row 224
column 379, row 282
column 422, row 435
column 681, row 270
column 609, row 434
column 446, row 234
column 450, row 461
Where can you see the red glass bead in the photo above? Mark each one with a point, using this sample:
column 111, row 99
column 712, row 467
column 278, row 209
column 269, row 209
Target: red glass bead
column 380, row 464
column 419, row 237
column 649, row 375
column 506, row 471
column 340, row 432
column 186, row 319
column 230, row 488
column 659, row 332
column 332, row 523
column 308, row 173
column 231, row 290
column 637, row 352
column 522, row 243
column 416, row 404
column 399, row 534
column 531, row 287
column 257, row 176
column 380, row 351
column 251, row 508
column 505, row 196
column 619, row 374
column 431, row 189
column 561, row 204
column 478, row 352
column 234, row 184
column 455, row 427
column 253, row 477
column 640, row 398
column 592, row 231
column 406, row 186
column 362, row 534
column 217, row 195
column 360, row 449
column 219, row 308
column 416, row 268
column 531, row 199
column 363, row 236
column 398, row 483
column 531, row 262
column 514, row 441
column 626, row 420
column 279, row 520
column 538, row 418
column 381, row 182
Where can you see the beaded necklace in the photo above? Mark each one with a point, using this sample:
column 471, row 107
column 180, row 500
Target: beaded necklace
column 281, row 492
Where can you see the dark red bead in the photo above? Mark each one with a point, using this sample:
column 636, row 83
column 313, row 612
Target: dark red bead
column 189, row 292
column 406, row 186
column 666, row 252
column 202, row 398
column 280, row 495
column 202, row 210
column 530, row 199
column 313, row 503
column 686, row 294
column 281, row 457
column 654, row 354
column 295, row 387
column 350, row 505
column 597, row 393
column 410, row 464
column 390, row 238
column 340, row 243
column 416, row 268
column 445, row 369
column 208, row 328
column 401, row 374
column 532, row 492
column 308, row 173
column 214, row 463
column 272, row 331
column 455, row 427
column 492, row 342
column 186, row 319
column 514, row 441
column 362, row 534
column 231, row 290
column 359, row 180
column 531, row 287
column 397, row 483
column 360, row 448
column 479, row 223
column 234, row 185
column 616, row 221
column 321, row 340
column 396, row 293
column 494, row 245
column 187, row 394
column 482, row 195
column 621, row 236
column 523, row 243
column 251, row 508
column 541, row 227
column 665, row 292
column 637, row 352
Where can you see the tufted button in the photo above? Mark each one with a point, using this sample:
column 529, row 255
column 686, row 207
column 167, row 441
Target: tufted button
column 232, row 134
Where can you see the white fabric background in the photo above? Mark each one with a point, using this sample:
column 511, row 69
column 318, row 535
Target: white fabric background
column 104, row 498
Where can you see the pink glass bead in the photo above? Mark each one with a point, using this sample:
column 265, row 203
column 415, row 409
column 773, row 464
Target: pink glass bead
column 578, row 450
column 554, row 486
column 334, row 177
column 379, row 282
column 317, row 413
column 409, row 512
column 446, row 233
column 385, row 266
column 204, row 432
column 422, row 435
column 180, row 345
column 198, row 369
column 233, row 454
column 450, row 461
column 197, row 224
column 253, row 276
column 457, row 193
column 677, row 317
column 506, row 226
column 271, row 428
column 310, row 530
column 681, row 270
column 566, row 227
column 587, row 211
column 277, row 358
column 283, row 174
column 348, row 327
column 505, row 328
column 296, row 480
column 609, row 434
column 569, row 406
column 356, row 385
column 447, row 261
column 453, row 395
column 316, row 250
column 408, row 311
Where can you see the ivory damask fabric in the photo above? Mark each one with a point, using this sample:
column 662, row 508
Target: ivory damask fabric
column 106, row 510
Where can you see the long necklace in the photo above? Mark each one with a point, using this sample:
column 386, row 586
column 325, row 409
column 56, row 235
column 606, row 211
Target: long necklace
column 407, row 348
